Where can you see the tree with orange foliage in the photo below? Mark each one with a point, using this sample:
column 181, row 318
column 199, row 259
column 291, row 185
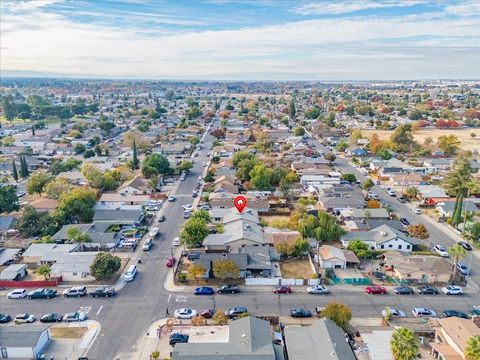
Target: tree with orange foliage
column 224, row 114
column 373, row 204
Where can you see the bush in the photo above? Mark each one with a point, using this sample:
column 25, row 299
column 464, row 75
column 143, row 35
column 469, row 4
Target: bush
column 182, row 277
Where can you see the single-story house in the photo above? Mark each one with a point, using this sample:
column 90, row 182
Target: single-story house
column 74, row 267
column 278, row 236
column 116, row 199
column 405, row 180
column 44, row 204
column 120, row 217
column 236, row 234
column 97, row 233
column 339, row 203
column 355, row 151
column 451, row 336
column 446, row 208
column 425, row 269
column 8, row 256
column 382, row 238
column 24, row 342
column 379, row 213
column 324, row 340
column 6, row 223
column 14, row 272
column 35, row 253
column 138, row 185
column 331, row 257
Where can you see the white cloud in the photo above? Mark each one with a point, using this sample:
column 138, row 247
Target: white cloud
column 469, row 8
column 342, row 7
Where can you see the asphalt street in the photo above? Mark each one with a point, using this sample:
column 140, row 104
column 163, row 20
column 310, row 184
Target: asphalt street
column 126, row 317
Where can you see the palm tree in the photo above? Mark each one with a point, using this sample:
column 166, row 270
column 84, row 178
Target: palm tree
column 456, row 252
column 403, row 344
column 472, row 351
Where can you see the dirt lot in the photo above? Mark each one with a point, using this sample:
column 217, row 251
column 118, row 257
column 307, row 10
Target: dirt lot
column 296, row 269
column 463, row 135
column 64, row 332
column 270, row 219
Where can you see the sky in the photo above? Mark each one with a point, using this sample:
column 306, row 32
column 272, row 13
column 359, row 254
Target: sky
column 241, row 40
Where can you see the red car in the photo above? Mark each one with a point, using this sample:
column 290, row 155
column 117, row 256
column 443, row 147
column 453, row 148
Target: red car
column 170, row 261
column 375, row 290
column 282, row 290
column 207, row 313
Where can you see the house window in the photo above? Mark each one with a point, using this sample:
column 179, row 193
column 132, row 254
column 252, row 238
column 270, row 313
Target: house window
column 399, row 247
column 74, row 274
column 408, row 246
column 390, row 245
column 382, row 246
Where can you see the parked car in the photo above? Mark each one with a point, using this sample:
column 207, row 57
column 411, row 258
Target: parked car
column 5, row 318
column 474, row 312
column 317, row 289
column 465, row 245
column 375, row 290
column 187, row 207
column 193, row 256
column 204, row 290
column 170, row 261
column 24, row 318
column 440, row 250
column 75, row 316
column 185, row 313
column 76, row 291
column 186, row 214
column 403, row 290
column 452, row 290
column 234, row 312
column 17, row 294
column 402, row 199
column 51, row 318
column 171, row 198
column 177, row 338
column 427, row 290
column 161, row 218
column 153, row 232
column 394, row 313
column 282, row 290
column 228, row 289
column 300, row 313
column 42, row 294
column 416, row 211
column 103, row 291
column 207, row 313
column 404, row 222
column 423, row 312
column 463, row 269
column 147, row 245
column 176, row 241
column 455, row 313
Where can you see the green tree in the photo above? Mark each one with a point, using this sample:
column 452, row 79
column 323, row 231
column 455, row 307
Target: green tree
column 449, row 144
column 79, row 149
column 8, row 199
column 240, row 156
column 33, row 130
column 185, row 165
column 384, row 154
column 202, row 215
column 196, row 271
column 403, row 344
column 312, row 113
column 37, row 182
column 260, row 177
column 74, row 235
column 244, row 168
column 77, row 204
column 472, row 350
column 457, row 210
column 23, row 167
column 225, row 269
column 292, row 111
column 14, row 170
column 155, row 163
column 361, row 249
column 351, row 178
column 339, row 313
column 43, row 270
column 194, row 231
column 402, row 137
column 473, row 233
column 411, row 192
column 456, row 252
column 330, row 156
column 9, row 109
column 459, row 178
column 368, row 184
column 135, row 162
column 88, row 154
column 104, row 265
column 299, row 131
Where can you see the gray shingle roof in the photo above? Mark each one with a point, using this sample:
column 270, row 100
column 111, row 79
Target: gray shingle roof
column 19, row 336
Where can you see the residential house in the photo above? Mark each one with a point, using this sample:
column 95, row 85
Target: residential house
column 8, row 256
column 379, row 213
column 138, row 185
column 340, row 203
column 97, row 232
column 446, row 208
column 429, row 192
column 74, row 177
column 281, row 236
column 236, row 234
column 224, row 200
column 382, row 238
column 119, row 199
column 424, row 269
column 331, row 257
column 129, row 217
column 14, row 272
column 248, row 339
column 24, row 342
column 43, row 204
column 35, row 253
column 451, row 336
column 406, row 180
column 74, row 267
column 7, row 222
column 324, row 340
column 355, row 151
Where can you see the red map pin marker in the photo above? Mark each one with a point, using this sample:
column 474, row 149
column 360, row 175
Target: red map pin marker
column 240, row 203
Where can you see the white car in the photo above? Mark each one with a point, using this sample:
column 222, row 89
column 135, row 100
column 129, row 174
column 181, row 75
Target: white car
column 154, row 232
column 440, row 250
column 188, row 207
column 317, row 289
column 176, row 241
column 171, row 198
column 394, row 313
column 423, row 312
column 185, row 313
column 452, row 290
column 200, row 178
column 204, row 164
column 24, row 318
column 75, row 316
column 416, row 211
column 17, row 294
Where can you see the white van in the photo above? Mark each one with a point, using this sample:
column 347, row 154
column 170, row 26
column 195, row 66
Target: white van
column 131, row 272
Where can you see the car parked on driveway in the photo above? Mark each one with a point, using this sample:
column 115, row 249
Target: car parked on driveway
column 234, row 312
column 176, row 241
column 300, row 313
column 51, row 318
column 42, row 294
column 178, row 338
column 375, row 290
column 228, row 289
column 455, row 313
column 75, row 316
column 17, row 294
column 103, row 291
column 5, row 318
column 317, row 289
column 24, row 318
column 452, row 290
column 394, row 313
column 282, row 290
column 427, row 290
column 440, row 250
column 185, row 313
column 76, row 291
column 403, row 290
column 463, row 269
column 204, row 290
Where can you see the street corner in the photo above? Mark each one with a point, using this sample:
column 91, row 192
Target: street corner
column 155, row 329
